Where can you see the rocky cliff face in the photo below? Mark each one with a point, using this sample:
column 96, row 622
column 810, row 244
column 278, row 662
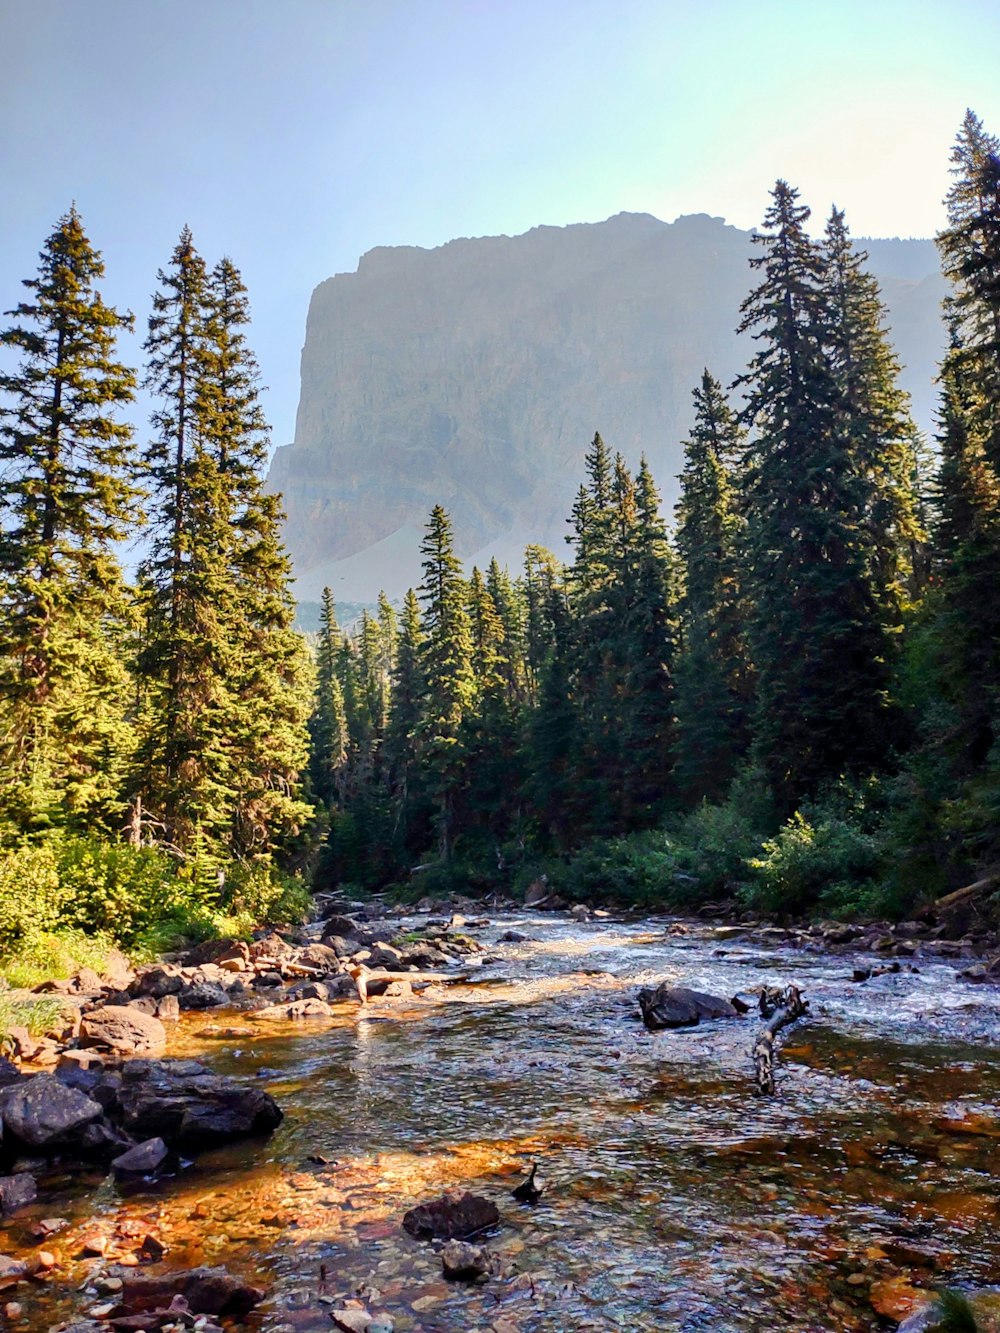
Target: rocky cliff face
column 475, row 375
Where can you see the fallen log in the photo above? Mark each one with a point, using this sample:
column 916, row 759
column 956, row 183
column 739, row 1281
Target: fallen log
column 780, row 1008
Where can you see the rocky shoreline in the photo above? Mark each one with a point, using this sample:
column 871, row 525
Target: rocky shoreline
column 100, row 1092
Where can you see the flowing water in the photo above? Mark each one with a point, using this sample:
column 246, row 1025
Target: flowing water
column 674, row 1199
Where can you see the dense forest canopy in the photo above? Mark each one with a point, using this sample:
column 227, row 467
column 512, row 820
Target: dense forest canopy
column 789, row 695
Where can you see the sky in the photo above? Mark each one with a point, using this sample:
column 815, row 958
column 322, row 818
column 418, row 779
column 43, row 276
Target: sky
column 294, row 136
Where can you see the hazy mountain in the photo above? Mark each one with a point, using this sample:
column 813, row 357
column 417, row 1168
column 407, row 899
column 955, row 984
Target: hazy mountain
column 475, row 375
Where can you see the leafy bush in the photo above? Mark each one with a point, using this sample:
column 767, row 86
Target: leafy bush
column 822, row 866
column 32, row 899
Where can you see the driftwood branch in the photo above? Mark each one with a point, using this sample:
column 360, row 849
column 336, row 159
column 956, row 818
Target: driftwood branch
column 779, row 1008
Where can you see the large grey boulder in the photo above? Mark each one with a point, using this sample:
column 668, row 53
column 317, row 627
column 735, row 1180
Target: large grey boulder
column 123, row 1029
column 189, row 1107
column 42, row 1112
column 677, row 1007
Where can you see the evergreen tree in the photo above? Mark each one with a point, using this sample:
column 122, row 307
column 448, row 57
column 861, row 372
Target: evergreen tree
column 819, row 641
column 328, row 724
column 446, row 668
column 68, row 493
column 713, row 689
column 225, row 675
column 878, row 431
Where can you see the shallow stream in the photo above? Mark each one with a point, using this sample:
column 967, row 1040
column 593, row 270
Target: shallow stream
column 674, row 1199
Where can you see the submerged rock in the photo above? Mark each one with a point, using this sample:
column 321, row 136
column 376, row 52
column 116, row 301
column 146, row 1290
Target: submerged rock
column 464, row 1262
column 677, row 1007
column 451, row 1216
column 210, row 1291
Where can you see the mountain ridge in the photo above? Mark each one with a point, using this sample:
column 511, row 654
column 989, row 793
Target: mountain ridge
column 475, row 373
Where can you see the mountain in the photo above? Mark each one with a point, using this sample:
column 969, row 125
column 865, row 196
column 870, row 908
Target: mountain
column 474, row 375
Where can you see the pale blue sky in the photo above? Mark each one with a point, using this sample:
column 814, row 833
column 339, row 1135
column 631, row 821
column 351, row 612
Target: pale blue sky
column 296, row 134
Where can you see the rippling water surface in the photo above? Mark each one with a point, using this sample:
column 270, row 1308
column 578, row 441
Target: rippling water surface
column 674, row 1199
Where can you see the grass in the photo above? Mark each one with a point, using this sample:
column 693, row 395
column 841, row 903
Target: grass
column 50, row 956
column 36, row 1013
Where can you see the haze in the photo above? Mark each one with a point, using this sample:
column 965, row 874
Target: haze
column 296, row 137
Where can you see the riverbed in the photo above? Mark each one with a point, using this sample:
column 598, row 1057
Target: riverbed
column 673, row 1198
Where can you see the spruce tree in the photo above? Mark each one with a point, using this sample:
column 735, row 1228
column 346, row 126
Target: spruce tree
column 879, row 435
column 818, row 637
column 68, row 493
column 328, row 724
column 713, row 689
column 446, row 667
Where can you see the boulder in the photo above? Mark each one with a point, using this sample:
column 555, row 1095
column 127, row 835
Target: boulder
column 464, row 1262
column 210, row 1291
column 16, row 1191
column 124, row 1030
column 676, row 1007
column 203, row 995
column 141, row 1160
column 165, row 979
column 536, row 892
column 9, row 1072
column 344, row 926
column 189, row 1107
column 452, row 1216
column 384, row 955
column 167, row 1008
column 42, row 1112
column 322, row 957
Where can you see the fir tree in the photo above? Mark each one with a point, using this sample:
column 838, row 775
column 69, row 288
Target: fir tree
column 446, row 668
column 818, row 638
column 878, row 432
column 68, row 493
column 328, row 724
column 713, row 689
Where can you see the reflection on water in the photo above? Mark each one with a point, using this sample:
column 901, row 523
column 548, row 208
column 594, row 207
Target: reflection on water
column 674, row 1199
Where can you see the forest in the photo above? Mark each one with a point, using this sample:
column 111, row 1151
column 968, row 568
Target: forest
column 787, row 698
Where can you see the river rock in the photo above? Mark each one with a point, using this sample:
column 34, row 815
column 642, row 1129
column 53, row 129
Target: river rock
column 453, row 1215
column 464, row 1262
column 677, row 1007
column 42, row 1112
column 164, row 979
column 123, row 1029
column 203, row 995
column 298, row 1009
column 9, row 1072
column 11, row 1271
column 189, row 1107
column 16, row 1191
column 142, row 1159
column 322, row 957
column 985, row 1306
column 344, row 926
column 210, row 1291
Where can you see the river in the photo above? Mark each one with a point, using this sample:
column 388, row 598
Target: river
column 674, row 1199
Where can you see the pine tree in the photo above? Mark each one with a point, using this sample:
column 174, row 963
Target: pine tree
column 818, row 637
column 226, row 676
column 446, row 668
column 962, row 724
column 713, row 687
column 405, row 716
column 328, row 724
column 879, row 434
column 268, row 700
column 68, row 493
column 182, row 788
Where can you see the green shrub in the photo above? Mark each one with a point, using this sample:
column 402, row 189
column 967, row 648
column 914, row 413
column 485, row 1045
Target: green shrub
column 32, row 900
column 814, row 867
column 36, row 1013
